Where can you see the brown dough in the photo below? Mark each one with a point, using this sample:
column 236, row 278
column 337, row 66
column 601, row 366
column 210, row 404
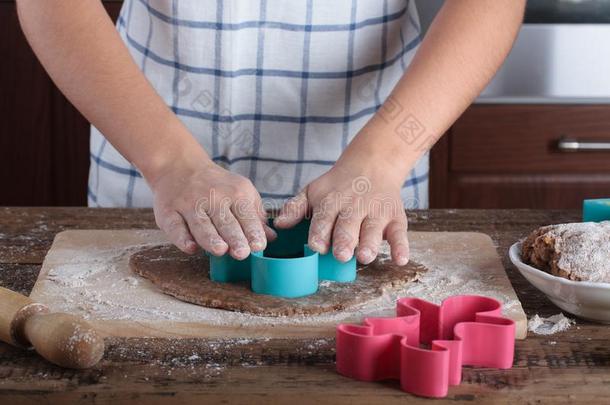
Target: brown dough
column 578, row 251
column 188, row 279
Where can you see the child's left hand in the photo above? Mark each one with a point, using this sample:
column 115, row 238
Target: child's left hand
column 352, row 208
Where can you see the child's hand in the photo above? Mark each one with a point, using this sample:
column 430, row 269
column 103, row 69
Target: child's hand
column 351, row 209
column 220, row 210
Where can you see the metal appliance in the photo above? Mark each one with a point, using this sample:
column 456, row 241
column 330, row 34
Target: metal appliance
column 562, row 55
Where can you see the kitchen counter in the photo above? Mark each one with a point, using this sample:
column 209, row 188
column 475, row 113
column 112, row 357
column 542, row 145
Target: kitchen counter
column 566, row 367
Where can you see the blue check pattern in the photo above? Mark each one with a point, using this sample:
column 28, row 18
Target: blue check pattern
column 272, row 89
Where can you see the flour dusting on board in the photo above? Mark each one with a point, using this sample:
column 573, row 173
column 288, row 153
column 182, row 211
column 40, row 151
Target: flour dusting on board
column 96, row 283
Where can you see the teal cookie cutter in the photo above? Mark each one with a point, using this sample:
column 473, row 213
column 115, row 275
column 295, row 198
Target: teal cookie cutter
column 287, row 268
column 596, row 210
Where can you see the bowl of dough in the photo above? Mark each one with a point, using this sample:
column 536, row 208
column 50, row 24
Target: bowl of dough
column 570, row 263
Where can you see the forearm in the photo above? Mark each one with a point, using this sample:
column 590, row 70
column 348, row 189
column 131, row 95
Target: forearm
column 84, row 55
column 461, row 52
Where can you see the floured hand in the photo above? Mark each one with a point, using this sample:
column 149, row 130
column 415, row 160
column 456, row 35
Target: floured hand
column 203, row 204
column 354, row 211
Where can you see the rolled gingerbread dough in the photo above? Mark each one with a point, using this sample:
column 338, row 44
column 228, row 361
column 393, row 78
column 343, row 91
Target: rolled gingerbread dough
column 188, row 279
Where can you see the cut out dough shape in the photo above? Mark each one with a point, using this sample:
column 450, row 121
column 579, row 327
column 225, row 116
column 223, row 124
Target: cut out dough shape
column 188, row 279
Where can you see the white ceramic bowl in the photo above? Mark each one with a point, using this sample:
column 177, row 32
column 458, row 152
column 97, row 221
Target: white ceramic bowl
column 582, row 298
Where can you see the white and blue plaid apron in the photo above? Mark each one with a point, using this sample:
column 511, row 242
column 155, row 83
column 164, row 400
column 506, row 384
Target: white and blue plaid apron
column 272, row 89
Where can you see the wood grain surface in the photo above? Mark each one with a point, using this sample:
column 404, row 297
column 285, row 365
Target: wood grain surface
column 571, row 367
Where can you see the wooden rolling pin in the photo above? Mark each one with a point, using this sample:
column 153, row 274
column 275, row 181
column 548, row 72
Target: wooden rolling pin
column 63, row 339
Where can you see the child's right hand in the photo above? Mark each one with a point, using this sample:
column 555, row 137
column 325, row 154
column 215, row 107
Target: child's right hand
column 203, row 204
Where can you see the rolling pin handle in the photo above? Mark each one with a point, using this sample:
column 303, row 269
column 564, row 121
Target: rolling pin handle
column 17, row 329
column 13, row 312
column 63, row 339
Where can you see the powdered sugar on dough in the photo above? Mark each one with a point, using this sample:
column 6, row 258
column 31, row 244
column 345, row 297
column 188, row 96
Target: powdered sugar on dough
column 98, row 284
column 584, row 250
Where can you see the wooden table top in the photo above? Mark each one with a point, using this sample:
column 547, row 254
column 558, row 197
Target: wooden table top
column 573, row 366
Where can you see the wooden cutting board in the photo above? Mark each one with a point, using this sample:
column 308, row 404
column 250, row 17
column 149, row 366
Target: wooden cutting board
column 86, row 273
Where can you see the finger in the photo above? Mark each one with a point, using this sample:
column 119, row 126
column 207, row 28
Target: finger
column 322, row 223
column 293, row 211
column 262, row 211
column 396, row 234
column 269, row 233
column 371, row 236
column 204, row 232
column 229, row 229
column 250, row 221
column 174, row 226
column 346, row 234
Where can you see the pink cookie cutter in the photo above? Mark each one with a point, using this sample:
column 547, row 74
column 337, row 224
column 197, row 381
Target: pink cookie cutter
column 425, row 345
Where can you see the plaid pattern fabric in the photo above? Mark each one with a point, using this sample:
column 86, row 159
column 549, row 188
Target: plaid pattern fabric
column 272, row 89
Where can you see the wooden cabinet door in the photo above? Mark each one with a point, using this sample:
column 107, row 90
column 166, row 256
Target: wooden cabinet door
column 507, row 156
column 44, row 141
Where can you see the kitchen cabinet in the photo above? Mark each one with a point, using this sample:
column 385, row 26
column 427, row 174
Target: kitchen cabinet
column 44, row 141
column 508, row 156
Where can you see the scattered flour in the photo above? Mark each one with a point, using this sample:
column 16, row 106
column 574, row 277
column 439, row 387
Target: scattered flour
column 75, row 274
column 549, row 326
column 97, row 284
column 132, row 281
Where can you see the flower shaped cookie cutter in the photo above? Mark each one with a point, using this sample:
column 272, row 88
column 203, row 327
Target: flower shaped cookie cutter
column 426, row 344
column 286, row 268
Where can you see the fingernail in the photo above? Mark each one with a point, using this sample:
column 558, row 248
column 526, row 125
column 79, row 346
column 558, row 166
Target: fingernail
column 318, row 245
column 241, row 252
column 402, row 260
column 342, row 254
column 366, row 255
column 219, row 247
column 220, row 250
column 257, row 245
column 218, row 242
column 190, row 245
column 271, row 236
